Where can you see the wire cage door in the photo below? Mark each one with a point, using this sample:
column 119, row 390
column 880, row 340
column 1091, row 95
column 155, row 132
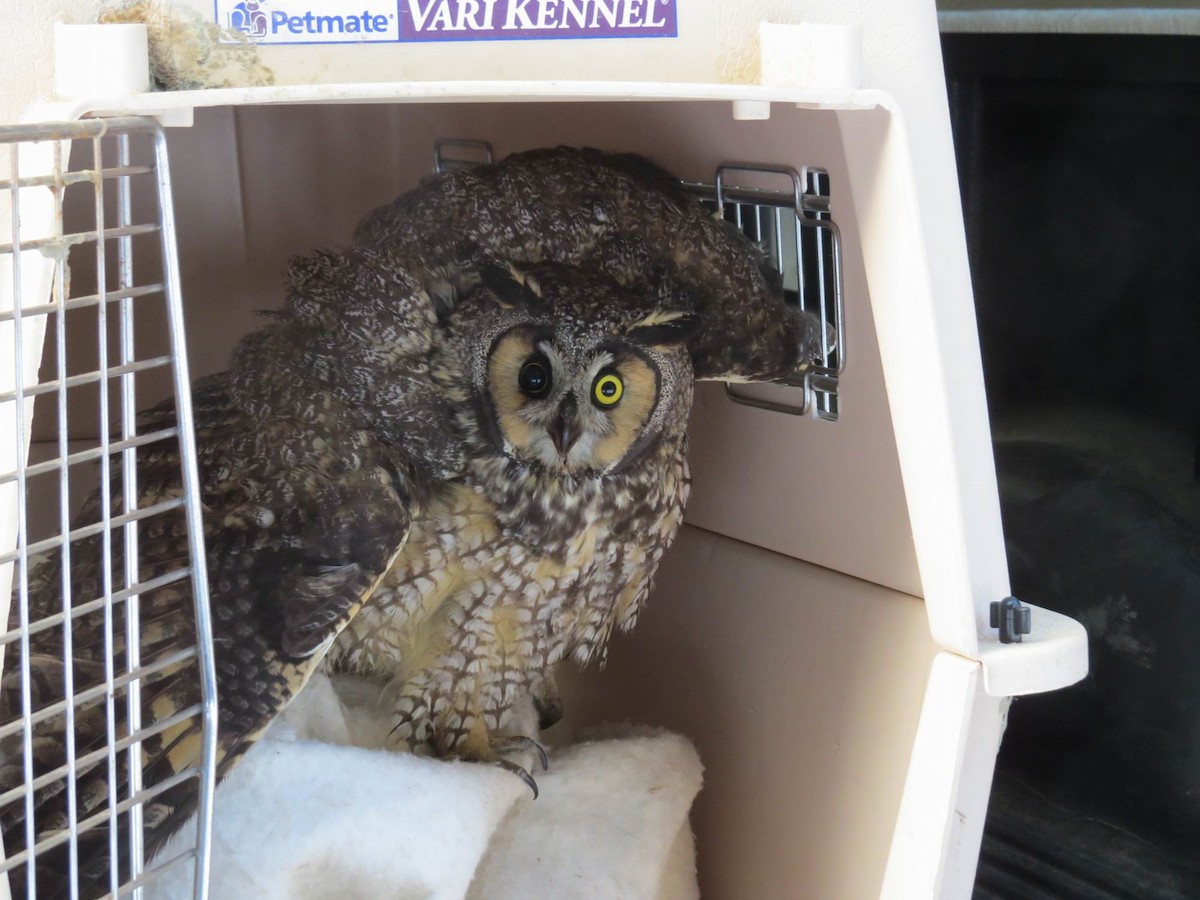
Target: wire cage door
column 91, row 329
column 798, row 238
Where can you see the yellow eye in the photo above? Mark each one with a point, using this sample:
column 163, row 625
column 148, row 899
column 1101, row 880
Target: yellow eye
column 608, row 389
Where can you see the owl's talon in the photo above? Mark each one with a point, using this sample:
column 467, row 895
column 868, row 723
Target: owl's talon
column 519, row 744
column 520, row 773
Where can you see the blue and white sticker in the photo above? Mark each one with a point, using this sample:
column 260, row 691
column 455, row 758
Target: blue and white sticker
column 311, row 21
column 358, row 21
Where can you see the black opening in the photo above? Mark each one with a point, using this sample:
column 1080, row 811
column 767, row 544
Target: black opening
column 1079, row 158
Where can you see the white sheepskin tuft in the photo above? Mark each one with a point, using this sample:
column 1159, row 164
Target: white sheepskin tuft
column 307, row 816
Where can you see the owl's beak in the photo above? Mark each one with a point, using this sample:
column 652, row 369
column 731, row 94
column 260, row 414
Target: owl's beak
column 564, row 430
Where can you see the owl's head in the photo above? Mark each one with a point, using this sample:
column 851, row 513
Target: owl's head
column 571, row 371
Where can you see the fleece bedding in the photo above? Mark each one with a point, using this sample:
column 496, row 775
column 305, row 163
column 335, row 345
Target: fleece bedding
column 322, row 808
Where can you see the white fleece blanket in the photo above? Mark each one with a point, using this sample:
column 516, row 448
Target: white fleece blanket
column 308, row 816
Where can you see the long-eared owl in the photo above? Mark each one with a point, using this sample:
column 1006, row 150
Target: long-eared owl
column 572, row 396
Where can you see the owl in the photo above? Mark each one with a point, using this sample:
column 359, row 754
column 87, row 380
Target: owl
column 572, row 395
column 453, row 458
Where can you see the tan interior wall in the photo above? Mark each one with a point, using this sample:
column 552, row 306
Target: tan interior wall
column 801, row 688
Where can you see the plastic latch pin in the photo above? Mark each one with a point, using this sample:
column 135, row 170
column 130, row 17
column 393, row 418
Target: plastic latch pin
column 1012, row 618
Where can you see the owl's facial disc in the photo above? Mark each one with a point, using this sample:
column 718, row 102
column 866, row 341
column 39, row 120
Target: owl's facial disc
column 569, row 412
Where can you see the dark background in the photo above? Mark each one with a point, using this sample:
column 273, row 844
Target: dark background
column 1079, row 158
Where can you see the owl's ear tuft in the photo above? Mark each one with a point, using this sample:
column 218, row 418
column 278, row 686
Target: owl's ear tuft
column 663, row 328
column 526, row 279
column 512, row 286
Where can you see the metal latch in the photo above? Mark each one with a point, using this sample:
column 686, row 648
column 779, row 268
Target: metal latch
column 800, row 240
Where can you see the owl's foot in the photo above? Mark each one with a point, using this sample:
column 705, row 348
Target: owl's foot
column 518, row 745
column 816, row 336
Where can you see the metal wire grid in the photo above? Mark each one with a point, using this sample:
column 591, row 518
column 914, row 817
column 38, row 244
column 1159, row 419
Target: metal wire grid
column 27, row 314
column 796, row 233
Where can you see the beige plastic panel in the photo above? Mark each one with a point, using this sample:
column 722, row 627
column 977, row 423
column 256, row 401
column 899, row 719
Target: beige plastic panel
column 257, row 185
column 802, row 689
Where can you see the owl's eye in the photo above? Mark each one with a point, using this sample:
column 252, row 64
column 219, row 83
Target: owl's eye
column 607, row 389
column 534, row 377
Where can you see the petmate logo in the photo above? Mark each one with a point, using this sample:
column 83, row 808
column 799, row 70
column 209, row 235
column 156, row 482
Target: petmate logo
column 474, row 20
column 311, row 21
column 248, row 17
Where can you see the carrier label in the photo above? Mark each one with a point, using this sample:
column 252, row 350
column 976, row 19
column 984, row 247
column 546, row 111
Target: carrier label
column 311, row 21
column 465, row 20
column 356, row 21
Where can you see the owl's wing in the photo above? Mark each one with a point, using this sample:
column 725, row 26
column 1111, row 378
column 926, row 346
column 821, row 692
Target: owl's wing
column 624, row 215
column 305, row 508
